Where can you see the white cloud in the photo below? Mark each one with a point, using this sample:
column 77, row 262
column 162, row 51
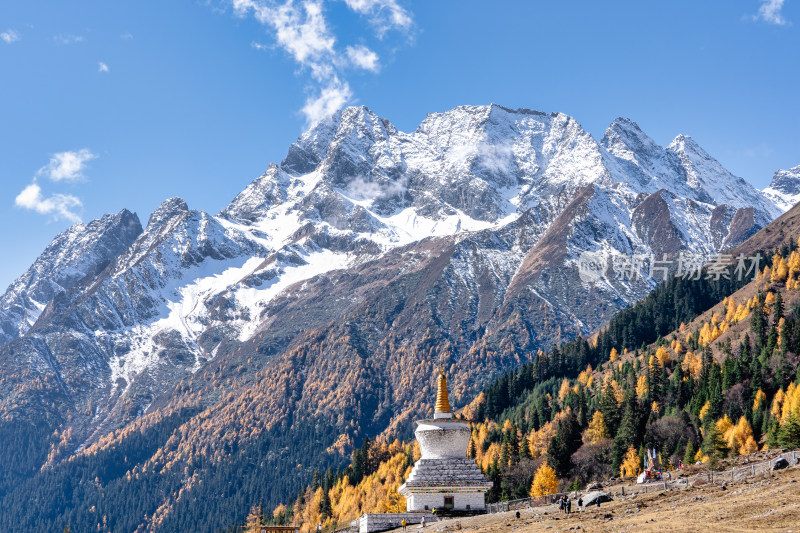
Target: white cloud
column 127, row 36
column 385, row 15
column 68, row 39
column 67, row 166
column 331, row 98
column 61, row 206
column 102, row 67
column 301, row 29
column 363, row 57
column 770, row 11
column 9, row 36
column 360, row 189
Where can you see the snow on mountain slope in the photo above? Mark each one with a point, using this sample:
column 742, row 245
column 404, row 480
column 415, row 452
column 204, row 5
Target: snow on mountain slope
column 353, row 189
column 785, row 188
column 80, row 251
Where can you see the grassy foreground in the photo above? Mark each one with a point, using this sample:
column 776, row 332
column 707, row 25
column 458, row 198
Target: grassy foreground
column 766, row 503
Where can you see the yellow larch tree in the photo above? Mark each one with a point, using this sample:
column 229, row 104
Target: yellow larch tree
column 583, row 377
column 791, row 404
column 544, row 481
column 597, row 429
column 741, row 312
column 692, row 364
column 564, row 390
column 641, row 387
column 254, row 520
column 769, row 299
column 759, row 399
column 780, row 269
column 739, row 437
column 704, row 411
column 777, row 403
column 730, row 313
column 613, row 355
column 630, row 465
column 662, row 354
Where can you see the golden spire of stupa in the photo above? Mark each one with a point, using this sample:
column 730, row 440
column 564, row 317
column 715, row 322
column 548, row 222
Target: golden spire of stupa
column 442, row 402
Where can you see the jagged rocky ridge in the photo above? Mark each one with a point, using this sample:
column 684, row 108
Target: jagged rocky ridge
column 785, row 188
column 326, row 290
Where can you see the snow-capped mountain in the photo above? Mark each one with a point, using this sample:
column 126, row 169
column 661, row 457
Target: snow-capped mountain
column 75, row 255
column 347, row 269
column 784, row 190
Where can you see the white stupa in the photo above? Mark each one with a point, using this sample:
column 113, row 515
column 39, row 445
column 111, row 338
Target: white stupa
column 444, row 477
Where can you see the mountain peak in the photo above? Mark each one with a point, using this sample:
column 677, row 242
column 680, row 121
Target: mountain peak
column 624, row 138
column 167, row 209
column 684, row 143
column 784, row 189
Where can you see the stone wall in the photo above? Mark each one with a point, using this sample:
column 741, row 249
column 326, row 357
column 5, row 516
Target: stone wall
column 369, row 523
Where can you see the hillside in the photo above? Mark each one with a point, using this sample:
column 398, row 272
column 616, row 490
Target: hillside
column 200, row 364
column 721, row 382
column 767, row 503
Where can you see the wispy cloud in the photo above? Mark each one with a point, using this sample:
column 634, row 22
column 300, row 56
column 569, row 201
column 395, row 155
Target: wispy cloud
column 330, row 99
column 9, row 36
column 127, row 36
column 60, row 206
column 770, row 12
column 363, row 57
column 301, row 30
column 384, row 15
column 64, row 39
column 102, row 67
column 67, row 166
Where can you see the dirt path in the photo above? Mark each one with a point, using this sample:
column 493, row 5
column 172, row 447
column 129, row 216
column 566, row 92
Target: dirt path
column 769, row 503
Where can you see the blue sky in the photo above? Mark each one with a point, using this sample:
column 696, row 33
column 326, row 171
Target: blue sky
column 111, row 105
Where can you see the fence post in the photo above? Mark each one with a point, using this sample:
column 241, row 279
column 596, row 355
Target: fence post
column 623, row 490
column 753, row 468
column 731, row 474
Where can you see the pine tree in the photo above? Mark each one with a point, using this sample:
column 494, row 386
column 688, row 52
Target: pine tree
column 789, row 433
column 777, row 308
column 688, row 456
column 325, row 508
column 609, row 407
column 758, row 322
column 714, row 445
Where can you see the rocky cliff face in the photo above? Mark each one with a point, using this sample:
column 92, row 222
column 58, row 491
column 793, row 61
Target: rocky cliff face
column 74, row 256
column 785, row 188
column 326, row 290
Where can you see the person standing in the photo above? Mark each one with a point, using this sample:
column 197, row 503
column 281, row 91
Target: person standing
column 403, row 523
column 423, row 522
